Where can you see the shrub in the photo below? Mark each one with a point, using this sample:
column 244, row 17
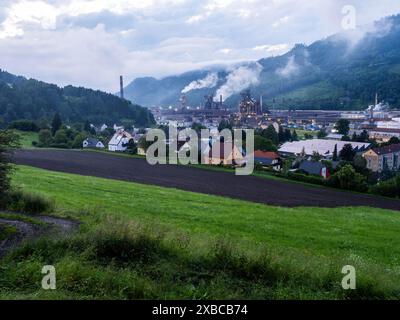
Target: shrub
column 24, row 125
column 347, row 178
column 306, row 178
column 8, row 141
column 25, row 202
column 389, row 188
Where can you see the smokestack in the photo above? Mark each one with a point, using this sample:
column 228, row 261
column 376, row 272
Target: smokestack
column 121, row 86
column 261, row 103
column 221, row 101
column 376, row 99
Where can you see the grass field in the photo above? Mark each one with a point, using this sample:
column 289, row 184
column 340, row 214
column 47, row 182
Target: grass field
column 206, row 246
column 26, row 138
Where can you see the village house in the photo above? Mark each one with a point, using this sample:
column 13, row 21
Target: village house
column 267, row 159
column 224, row 153
column 119, row 141
column 314, row 168
column 384, row 134
column 384, row 157
column 92, row 143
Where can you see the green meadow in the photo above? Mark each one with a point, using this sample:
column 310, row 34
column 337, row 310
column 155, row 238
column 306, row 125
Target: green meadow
column 142, row 242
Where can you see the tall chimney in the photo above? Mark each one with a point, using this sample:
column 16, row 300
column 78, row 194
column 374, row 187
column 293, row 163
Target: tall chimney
column 121, row 86
column 221, row 100
column 376, row 99
column 261, row 103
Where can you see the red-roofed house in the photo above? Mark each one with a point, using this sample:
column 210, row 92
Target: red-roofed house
column 268, row 159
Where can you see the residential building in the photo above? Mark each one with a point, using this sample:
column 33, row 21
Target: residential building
column 268, row 160
column 315, row 168
column 384, row 134
column 384, row 157
column 92, row 143
column 224, row 153
column 119, row 141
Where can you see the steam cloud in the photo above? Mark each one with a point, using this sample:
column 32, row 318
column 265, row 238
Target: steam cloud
column 240, row 79
column 208, row 82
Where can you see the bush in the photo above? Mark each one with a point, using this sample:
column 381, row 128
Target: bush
column 25, row 202
column 24, row 125
column 389, row 188
column 306, row 178
column 347, row 178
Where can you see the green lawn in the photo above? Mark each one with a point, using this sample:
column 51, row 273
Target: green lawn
column 27, row 138
column 301, row 240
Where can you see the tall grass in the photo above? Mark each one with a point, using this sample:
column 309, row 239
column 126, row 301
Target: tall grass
column 28, row 202
column 124, row 260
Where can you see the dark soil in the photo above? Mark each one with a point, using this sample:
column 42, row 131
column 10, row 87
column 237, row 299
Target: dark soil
column 256, row 189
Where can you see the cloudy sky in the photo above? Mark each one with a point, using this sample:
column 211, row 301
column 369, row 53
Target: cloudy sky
column 91, row 42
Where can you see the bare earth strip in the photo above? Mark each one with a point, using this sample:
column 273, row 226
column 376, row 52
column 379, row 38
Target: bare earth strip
column 250, row 188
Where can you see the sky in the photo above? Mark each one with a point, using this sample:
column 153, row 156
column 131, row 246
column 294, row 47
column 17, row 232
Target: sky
column 91, row 42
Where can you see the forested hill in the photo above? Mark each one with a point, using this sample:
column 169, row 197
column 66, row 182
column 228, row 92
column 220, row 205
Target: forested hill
column 343, row 71
column 21, row 98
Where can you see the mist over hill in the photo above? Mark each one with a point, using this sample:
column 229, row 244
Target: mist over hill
column 343, row 71
column 22, row 98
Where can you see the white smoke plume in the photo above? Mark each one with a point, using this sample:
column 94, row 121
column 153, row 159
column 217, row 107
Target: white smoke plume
column 208, row 82
column 240, row 79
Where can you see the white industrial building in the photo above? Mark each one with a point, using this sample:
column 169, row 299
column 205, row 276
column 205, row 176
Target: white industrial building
column 323, row 147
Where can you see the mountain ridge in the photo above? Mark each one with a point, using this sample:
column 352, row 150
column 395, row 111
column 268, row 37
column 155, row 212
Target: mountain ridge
column 30, row 99
column 343, row 71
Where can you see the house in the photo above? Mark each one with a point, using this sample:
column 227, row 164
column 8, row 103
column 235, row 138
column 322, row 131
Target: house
column 92, row 143
column 325, row 148
column 268, row 160
column 384, row 134
column 223, row 153
column 119, row 141
column 315, row 168
column 384, row 157
column 334, row 136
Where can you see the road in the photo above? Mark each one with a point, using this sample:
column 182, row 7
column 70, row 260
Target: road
column 250, row 188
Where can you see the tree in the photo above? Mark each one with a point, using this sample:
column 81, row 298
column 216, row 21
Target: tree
column 347, row 153
column 78, row 141
column 225, row 125
column 394, row 140
column 335, row 154
column 61, row 137
column 322, row 134
column 45, row 138
column 8, row 142
column 24, row 125
column 88, row 128
column 260, row 143
column 316, row 157
column 295, row 137
column 56, row 124
column 144, row 144
column 343, row 127
column 348, row 178
column 271, row 134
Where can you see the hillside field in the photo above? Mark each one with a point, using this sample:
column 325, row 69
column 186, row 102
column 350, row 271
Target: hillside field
column 138, row 241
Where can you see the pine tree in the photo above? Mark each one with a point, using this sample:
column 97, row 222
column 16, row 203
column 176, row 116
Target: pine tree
column 335, row 154
column 56, row 124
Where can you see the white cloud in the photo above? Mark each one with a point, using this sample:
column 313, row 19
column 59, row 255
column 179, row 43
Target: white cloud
column 91, row 42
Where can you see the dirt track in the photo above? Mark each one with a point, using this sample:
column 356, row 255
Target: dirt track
column 226, row 184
